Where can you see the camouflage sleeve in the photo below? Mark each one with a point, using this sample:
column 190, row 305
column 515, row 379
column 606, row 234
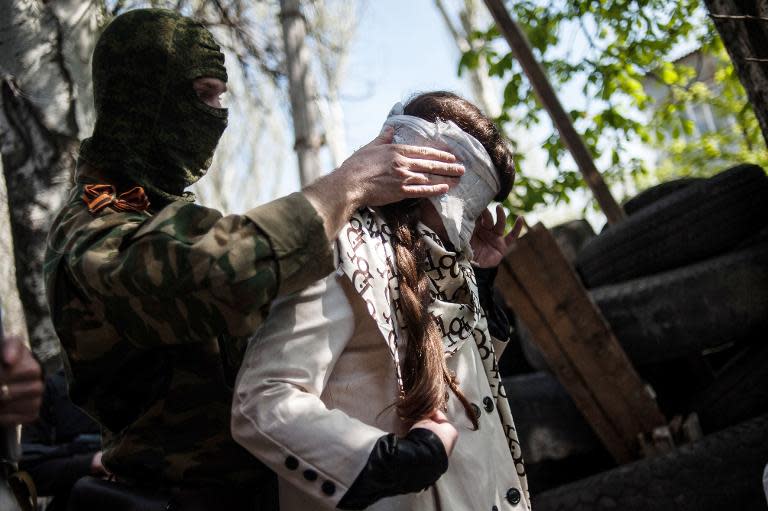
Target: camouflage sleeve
column 188, row 274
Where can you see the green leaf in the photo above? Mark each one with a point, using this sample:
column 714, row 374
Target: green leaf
column 614, row 55
column 668, row 74
column 469, row 60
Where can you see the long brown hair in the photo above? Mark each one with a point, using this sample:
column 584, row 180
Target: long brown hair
column 426, row 377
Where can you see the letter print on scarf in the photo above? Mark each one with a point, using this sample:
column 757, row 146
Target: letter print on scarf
column 366, row 258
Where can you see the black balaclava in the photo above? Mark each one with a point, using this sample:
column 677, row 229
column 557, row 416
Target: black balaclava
column 151, row 128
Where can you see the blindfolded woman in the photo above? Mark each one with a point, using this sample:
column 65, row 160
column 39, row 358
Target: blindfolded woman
column 361, row 384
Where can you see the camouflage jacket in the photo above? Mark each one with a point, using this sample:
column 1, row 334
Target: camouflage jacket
column 152, row 312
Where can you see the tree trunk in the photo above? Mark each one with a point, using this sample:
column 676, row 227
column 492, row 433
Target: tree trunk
column 333, row 124
column 333, row 28
column 743, row 26
column 302, row 90
column 45, row 103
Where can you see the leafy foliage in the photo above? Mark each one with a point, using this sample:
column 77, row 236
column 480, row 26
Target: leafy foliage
column 614, row 55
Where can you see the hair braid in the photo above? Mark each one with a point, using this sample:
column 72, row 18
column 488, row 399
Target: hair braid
column 426, row 377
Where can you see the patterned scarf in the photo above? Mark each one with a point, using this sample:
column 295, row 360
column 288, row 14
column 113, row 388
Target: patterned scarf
column 367, row 259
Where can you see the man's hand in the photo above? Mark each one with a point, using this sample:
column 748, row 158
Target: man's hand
column 381, row 173
column 488, row 241
column 438, row 424
column 21, row 384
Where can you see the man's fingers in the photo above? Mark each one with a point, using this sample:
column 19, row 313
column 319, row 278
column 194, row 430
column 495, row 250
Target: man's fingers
column 424, row 153
column 25, row 370
column 435, row 167
column 385, row 137
column 416, row 178
column 21, row 391
column 21, row 400
column 425, row 190
column 12, row 350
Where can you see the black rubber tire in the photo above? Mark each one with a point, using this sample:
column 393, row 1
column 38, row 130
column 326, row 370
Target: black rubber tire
column 676, row 382
column 720, row 472
column 739, row 392
column 548, row 423
column 655, row 193
column 571, row 236
column 682, row 312
column 704, row 219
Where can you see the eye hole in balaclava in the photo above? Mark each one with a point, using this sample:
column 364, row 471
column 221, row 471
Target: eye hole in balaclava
column 151, row 128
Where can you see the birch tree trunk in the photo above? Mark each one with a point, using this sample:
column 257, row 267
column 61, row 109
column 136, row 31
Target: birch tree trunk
column 45, row 106
column 743, row 26
column 302, row 90
column 333, row 124
column 333, row 28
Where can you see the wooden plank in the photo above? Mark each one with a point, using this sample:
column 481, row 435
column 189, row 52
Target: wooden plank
column 577, row 342
column 593, row 331
column 551, row 297
column 518, row 299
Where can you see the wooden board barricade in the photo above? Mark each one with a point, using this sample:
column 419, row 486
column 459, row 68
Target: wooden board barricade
column 542, row 288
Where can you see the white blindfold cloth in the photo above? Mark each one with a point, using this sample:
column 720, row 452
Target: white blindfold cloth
column 463, row 204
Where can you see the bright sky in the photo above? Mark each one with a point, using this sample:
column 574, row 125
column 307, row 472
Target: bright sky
column 401, row 48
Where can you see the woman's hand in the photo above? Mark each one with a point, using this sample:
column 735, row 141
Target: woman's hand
column 21, row 384
column 438, row 424
column 488, row 241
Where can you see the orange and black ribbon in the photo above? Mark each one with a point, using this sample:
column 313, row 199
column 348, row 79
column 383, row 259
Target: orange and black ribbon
column 98, row 197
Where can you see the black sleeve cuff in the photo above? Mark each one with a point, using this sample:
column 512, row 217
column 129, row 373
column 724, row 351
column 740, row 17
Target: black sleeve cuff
column 397, row 466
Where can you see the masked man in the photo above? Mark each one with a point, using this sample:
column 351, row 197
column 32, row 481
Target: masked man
column 152, row 295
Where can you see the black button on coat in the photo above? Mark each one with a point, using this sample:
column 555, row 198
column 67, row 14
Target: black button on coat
column 513, row 496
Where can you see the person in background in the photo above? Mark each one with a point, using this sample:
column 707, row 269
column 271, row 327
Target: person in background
column 21, row 390
column 21, row 383
column 61, row 446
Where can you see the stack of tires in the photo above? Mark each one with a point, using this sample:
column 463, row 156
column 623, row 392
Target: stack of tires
column 683, row 282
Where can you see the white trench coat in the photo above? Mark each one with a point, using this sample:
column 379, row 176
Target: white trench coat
column 314, row 394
